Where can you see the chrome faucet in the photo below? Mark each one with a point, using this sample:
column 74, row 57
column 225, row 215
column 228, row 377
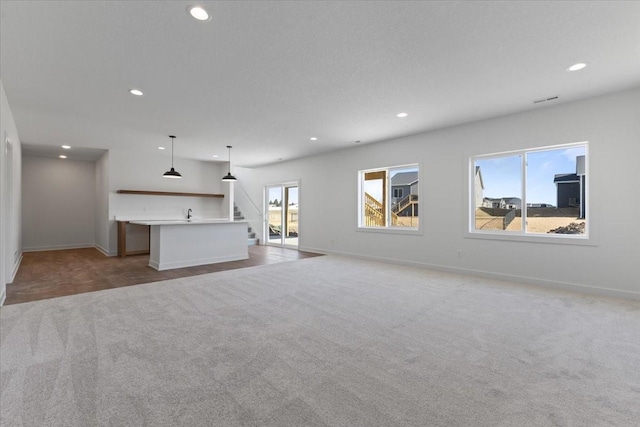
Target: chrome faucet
column 189, row 214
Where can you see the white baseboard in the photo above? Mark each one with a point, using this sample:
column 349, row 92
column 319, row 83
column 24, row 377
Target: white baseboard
column 16, row 266
column 104, row 251
column 57, row 247
column 549, row 284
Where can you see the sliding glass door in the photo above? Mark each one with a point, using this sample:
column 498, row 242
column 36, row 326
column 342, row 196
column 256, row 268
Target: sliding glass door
column 282, row 214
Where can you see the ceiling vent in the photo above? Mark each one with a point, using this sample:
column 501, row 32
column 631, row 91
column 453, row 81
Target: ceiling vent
column 552, row 98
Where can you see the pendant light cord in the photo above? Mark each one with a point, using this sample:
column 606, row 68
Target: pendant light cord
column 172, row 139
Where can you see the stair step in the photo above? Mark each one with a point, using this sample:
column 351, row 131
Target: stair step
column 251, row 235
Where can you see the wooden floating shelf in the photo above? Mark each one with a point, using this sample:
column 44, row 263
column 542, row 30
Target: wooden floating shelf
column 168, row 193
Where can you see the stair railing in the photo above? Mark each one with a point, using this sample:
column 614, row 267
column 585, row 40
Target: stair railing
column 373, row 212
column 253, row 215
column 407, row 201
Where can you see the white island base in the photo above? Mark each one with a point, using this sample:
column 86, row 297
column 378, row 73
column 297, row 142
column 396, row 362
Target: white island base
column 177, row 244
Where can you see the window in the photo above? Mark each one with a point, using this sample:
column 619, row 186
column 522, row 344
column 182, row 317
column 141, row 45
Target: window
column 531, row 192
column 389, row 197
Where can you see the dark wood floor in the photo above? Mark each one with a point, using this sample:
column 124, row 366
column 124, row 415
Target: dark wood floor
column 51, row 274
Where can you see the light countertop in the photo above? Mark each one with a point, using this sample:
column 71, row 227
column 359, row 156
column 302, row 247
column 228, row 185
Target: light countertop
column 192, row 221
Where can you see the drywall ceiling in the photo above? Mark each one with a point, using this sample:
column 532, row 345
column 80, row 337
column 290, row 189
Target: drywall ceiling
column 266, row 76
column 77, row 153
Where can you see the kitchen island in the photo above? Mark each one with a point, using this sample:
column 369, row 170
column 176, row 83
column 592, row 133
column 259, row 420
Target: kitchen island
column 186, row 243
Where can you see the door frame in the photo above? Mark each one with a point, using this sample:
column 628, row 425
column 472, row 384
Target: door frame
column 283, row 186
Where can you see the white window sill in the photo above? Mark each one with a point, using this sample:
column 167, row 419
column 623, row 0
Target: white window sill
column 556, row 239
column 411, row 231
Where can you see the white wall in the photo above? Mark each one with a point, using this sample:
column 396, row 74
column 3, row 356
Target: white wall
column 59, row 203
column 10, row 195
column 611, row 124
column 135, row 171
column 14, row 201
column 102, row 204
column 3, row 206
column 73, row 204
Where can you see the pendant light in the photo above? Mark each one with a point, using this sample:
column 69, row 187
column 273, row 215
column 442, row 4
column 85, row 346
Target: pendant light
column 172, row 173
column 229, row 177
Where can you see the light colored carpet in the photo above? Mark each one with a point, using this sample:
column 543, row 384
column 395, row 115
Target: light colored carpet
column 325, row 341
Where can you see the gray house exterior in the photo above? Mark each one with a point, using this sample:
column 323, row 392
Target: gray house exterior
column 571, row 187
column 502, row 203
column 403, row 185
column 567, row 190
column 511, row 203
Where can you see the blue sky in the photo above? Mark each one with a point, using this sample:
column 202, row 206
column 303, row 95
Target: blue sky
column 276, row 193
column 502, row 176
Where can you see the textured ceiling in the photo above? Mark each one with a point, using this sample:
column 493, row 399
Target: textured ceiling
column 266, row 76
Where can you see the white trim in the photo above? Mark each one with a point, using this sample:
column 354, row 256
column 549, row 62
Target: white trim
column 104, row 251
column 389, row 193
column 283, row 186
column 587, row 239
column 532, row 150
column 58, row 247
column 517, row 236
column 16, row 266
column 544, row 283
column 409, row 231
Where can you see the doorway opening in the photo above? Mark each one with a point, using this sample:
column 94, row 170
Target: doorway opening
column 282, row 209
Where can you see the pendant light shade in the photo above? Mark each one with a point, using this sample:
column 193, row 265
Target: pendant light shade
column 228, row 176
column 172, row 173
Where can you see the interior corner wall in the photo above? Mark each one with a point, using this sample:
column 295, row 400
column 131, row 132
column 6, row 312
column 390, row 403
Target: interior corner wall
column 14, row 236
column 611, row 124
column 131, row 170
column 101, row 233
column 58, row 203
column 10, row 195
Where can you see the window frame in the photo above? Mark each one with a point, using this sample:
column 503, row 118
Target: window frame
column 588, row 238
column 360, row 226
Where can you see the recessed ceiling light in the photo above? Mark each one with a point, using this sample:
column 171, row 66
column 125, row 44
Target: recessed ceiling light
column 66, row 147
column 313, row 138
column 215, row 156
column 62, row 156
column 199, row 13
column 576, row 67
column 401, row 115
column 136, row 92
column 160, row 148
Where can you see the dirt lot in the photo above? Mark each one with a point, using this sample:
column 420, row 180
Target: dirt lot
column 542, row 225
column 539, row 221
